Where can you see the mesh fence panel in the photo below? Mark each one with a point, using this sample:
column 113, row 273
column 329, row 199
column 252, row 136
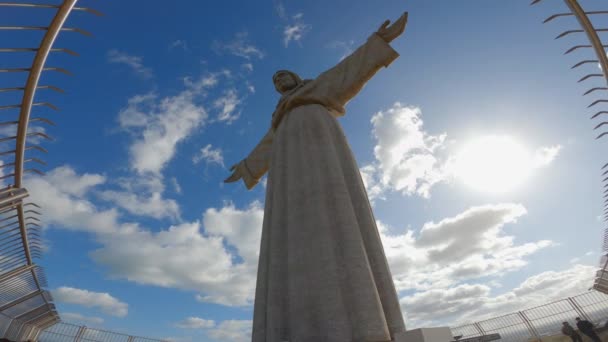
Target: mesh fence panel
column 541, row 321
column 63, row 332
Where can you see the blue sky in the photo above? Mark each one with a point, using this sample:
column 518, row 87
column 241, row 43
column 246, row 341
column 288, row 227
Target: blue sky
column 143, row 236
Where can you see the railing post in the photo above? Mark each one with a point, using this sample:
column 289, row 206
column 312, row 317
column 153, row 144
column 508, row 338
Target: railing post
column 479, row 328
column 528, row 323
column 131, row 339
column 80, row 333
column 578, row 309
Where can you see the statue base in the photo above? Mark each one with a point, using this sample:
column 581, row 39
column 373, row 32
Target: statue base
column 439, row 334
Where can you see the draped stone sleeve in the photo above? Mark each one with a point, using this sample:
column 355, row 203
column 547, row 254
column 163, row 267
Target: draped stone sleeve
column 341, row 83
column 258, row 161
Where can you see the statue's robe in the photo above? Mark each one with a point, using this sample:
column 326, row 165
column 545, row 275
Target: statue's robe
column 323, row 275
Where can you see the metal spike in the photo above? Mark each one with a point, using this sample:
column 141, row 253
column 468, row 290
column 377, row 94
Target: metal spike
column 556, row 16
column 599, row 113
column 36, row 171
column 62, row 70
column 601, row 135
column 57, row 89
column 586, row 61
column 596, row 102
column 563, row 34
column 570, row 13
column 594, row 89
column 601, row 124
column 589, row 76
column 576, row 47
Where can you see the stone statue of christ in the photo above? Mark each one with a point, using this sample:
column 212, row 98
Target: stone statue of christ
column 322, row 272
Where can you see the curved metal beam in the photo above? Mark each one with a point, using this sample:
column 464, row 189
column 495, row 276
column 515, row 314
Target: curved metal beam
column 584, row 21
column 32, row 82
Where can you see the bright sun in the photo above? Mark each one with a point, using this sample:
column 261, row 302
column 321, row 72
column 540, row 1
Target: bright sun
column 493, row 164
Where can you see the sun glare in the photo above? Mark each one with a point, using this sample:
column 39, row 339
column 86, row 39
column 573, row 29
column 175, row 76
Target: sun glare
column 493, row 164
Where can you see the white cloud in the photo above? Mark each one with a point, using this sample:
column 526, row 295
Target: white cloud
column 466, row 303
column 135, row 62
column 410, row 160
column 209, row 155
column 104, row 301
column 345, row 47
column 216, row 273
column 160, row 124
column 468, row 246
column 179, row 43
column 212, row 270
column 63, row 203
column 405, row 154
column 545, row 155
column 247, row 66
column 76, row 317
column 239, row 46
column 295, row 28
column 67, row 181
column 232, row 331
column 195, row 323
column 279, row 7
column 295, row 31
column 227, row 104
column 176, row 187
column 153, row 206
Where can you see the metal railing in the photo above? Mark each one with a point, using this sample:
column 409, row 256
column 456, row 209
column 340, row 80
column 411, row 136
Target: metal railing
column 25, row 307
column 66, row 332
column 535, row 323
column 592, row 42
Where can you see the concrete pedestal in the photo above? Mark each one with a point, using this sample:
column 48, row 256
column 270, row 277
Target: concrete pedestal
column 440, row 334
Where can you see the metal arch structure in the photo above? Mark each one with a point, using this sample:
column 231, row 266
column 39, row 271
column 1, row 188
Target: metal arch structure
column 26, row 308
column 595, row 43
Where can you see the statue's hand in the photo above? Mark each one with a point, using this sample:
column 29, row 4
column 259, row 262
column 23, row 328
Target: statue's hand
column 388, row 33
column 237, row 173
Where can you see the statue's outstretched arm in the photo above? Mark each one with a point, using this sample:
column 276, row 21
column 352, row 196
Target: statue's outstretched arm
column 342, row 82
column 255, row 165
column 389, row 33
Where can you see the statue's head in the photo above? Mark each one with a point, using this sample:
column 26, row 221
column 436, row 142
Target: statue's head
column 285, row 80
